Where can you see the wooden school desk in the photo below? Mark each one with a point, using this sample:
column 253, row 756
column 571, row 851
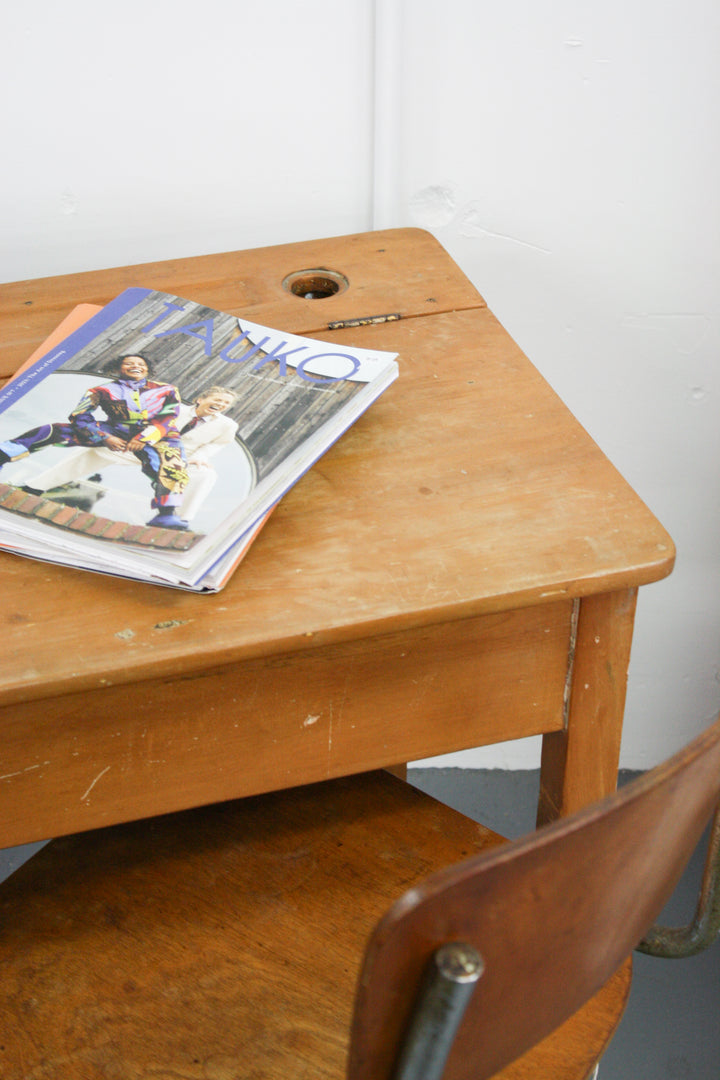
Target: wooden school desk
column 460, row 568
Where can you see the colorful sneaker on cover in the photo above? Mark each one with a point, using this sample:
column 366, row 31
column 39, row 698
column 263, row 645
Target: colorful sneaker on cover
column 168, row 521
column 11, row 451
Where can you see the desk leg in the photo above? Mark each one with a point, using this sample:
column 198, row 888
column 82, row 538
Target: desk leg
column 580, row 764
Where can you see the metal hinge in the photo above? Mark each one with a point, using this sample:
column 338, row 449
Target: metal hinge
column 369, row 320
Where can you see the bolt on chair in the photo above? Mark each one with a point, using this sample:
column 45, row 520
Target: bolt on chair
column 354, row 928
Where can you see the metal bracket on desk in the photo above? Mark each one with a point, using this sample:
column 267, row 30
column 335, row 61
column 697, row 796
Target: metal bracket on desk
column 675, row 942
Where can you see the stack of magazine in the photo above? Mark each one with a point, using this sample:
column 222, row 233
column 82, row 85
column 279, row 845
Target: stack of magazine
column 151, row 438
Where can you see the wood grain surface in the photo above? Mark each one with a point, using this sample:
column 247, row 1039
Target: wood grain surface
column 467, row 491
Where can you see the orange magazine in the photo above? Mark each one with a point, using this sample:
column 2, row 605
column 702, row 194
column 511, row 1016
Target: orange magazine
column 71, row 322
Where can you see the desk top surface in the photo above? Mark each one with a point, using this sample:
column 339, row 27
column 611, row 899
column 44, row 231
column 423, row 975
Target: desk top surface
column 468, row 487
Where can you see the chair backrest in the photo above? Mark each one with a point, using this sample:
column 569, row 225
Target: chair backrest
column 552, row 916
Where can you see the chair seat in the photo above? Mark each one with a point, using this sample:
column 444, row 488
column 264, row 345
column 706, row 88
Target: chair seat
column 225, row 942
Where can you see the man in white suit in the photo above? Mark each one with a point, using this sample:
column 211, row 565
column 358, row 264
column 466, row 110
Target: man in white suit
column 204, row 430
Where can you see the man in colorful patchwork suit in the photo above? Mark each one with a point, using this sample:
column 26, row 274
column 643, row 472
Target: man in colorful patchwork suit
column 140, row 417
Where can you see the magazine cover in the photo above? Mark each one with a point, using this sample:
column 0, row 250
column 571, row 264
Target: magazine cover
column 154, row 440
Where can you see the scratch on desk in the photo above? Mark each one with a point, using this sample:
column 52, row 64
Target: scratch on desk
column 396, row 577
column 98, row 777
column 21, row 772
column 436, row 586
column 330, row 739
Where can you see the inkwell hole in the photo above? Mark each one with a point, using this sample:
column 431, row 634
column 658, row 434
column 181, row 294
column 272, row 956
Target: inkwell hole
column 316, row 284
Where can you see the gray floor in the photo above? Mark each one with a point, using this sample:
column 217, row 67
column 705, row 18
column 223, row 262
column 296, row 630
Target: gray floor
column 671, row 1028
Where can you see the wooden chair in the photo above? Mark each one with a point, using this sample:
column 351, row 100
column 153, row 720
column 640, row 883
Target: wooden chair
column 228, row 942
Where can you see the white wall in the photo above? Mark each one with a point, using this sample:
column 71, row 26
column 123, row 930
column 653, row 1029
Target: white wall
column 565, row 153
column 152, row 129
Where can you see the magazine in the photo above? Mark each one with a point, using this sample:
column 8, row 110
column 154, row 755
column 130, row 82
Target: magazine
column 75, row 318
column 154, row 440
